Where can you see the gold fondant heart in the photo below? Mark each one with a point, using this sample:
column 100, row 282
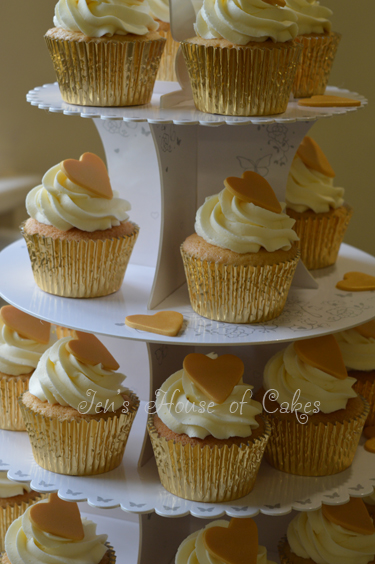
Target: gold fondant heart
column 323, row 353
column 88, row 349
column 238, row 544
column 356, row 282
column 369, row 432
column 255, row 189
column 328, row 102
column 166, row 323
column 89, row 172
column 26, row 325
column 367, row 330
column 352, row 516
column 58, row 517
column 370, row 445
column 217, row 377
column 313, row 157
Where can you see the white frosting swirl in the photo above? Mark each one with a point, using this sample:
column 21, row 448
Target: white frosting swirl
column 11, row 489
column 230, row 223
column 242, row 21
column 96, row 18
column 370, row 499
column 18, row 355
column 311, row 16
column 25, row 543
column 311, row 535
column 160, row 9
column 193, row 551
column 184, row 409
column 358, row 352
column 60, row 202
column 309, row 189
column 287, row 373
column 61, row 378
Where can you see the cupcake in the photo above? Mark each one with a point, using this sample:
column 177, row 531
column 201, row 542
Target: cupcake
column 240, row 262
column 342, row 534
column 318, row 207
column 319, row 47
column 315, row 415
column 370, row 504
column 15, row 498
column 23, row 340
column 207, row 433
column 77, row 413
column 357, row 346
column 105, row 53
column 160, row 12
column 54, row 531
column 244, row 57
column 78, row 235
column 237, row 543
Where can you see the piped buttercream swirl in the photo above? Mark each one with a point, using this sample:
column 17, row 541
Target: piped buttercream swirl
column 160, row 9
column 357, row 351
column 97, row 18
column 311, row 16
column 11, row 489
column 230, row 223
column 311, row 535
column 64, row 204
column 288, row 374
column 308, row 189
column 242, row 21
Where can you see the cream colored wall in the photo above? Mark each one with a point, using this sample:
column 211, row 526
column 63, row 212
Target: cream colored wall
column 32, row 140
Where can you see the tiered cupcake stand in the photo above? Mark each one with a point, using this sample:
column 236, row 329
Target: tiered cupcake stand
column 165, row 162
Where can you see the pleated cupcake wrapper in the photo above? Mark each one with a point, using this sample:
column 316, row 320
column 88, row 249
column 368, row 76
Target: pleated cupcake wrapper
column 11, row 387
column 167, row 64
column 79, row 448
column 111, row 554
column 62, row 332
column 315, row 64
column 207, row 474
column 366, row 389
column 238, row 294
column 314, row 450
column 282, row 547
column 79, row 269
column 321, row 237
column 254, row 79
column 11, row 512
column 106, row 73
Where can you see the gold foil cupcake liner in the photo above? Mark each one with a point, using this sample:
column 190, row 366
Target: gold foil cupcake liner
column 238, row 294
column 105, row 72
column 111, row 555
column 207, row 474
column 284, row 549
column 250, row 80
column 167, row 63
column 321, row 236
column 11, row 512
column 62, row 332
column 366, row 389
column 79, row 269
column 79, row 448
column 315, row 64
column 313, row 449
column 11, row 387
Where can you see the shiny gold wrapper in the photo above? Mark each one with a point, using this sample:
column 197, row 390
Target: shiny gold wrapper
column 11, row 387
column 167, row 64
column 315, row 64
column 116, row 71
column 248, row 80
column 79, row 448
column 62, row 332
column 321, row 235
column 207, row 474
column 238, row 294
column 285, row 553
column 79, row 269
column 314, row 449
column 11, row 511
column 366, row 388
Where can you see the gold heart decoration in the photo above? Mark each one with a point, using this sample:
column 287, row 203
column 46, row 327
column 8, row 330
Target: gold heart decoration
column 217, row 377
column 370, row 445
column 323, row 101
column 356, row 282
column 58, row 517
column 323, row 353
column 238, row 544
column 313, row 157
column 367, row 330
column 88, row 349
column 166, row 323
column 26, row 325
column 89, row 172
column 352, row 516
column 255, row 189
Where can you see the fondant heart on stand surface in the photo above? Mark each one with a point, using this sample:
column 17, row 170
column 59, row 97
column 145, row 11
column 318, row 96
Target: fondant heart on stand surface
column 356, row 282
column 166, row 323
